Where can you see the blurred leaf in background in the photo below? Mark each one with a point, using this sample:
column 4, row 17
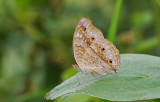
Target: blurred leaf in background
column 36, row 40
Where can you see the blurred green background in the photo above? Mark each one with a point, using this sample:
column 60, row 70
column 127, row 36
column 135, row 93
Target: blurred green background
column 36, row 40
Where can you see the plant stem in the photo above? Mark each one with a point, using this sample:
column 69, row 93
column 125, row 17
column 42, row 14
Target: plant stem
column 156, row 4
column 114, row 23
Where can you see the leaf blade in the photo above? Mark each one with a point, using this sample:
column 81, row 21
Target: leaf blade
column 137, row 79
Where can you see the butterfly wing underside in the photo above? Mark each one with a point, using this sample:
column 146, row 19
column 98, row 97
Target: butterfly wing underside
column 92, row 52
column 84, row 35
column 101, row 58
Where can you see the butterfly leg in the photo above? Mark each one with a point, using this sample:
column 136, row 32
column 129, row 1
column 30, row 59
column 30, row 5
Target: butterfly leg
column 82, row 74
column 75, row 66
column 95, row 75
column 78, row 80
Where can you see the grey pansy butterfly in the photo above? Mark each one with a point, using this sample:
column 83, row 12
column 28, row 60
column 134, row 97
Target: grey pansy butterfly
column 92, row 52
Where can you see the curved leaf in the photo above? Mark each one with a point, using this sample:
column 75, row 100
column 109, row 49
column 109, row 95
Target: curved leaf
column 137, row 79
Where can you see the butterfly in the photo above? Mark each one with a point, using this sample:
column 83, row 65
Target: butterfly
column 92, row 52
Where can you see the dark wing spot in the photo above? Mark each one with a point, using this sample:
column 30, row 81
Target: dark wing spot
column 83, row 28
column 92, row 39
column 102, row 49
column 110, row 61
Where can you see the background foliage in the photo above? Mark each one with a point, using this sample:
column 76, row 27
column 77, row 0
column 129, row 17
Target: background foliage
column 36, row 40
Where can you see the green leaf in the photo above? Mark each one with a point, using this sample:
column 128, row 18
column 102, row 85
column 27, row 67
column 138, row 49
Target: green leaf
column 73, row 98
column 137, row 79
